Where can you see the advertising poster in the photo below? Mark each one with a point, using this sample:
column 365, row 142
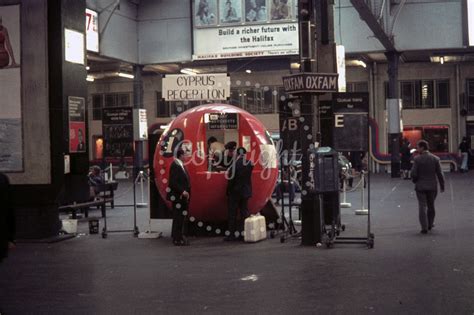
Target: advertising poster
column 244, row 28
column 11, row 133
column 470, row 21
column 77, row 124
column 92, row 31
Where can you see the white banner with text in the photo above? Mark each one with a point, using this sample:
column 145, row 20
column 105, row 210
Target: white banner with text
column 200, row 87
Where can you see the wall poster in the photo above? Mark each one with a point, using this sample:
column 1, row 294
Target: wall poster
column 244, row 28
column 77, row 124
column 11, row 132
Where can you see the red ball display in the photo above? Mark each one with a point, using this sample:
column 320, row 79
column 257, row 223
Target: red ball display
column 191, row 131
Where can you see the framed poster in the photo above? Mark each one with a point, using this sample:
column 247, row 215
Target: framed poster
column 77, row 124
column 11, row 131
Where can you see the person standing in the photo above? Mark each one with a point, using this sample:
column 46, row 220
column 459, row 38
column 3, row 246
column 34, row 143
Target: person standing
column 179, row 194
column 426, row 169
column 405, row 152
column 464, row 149
column 239, row 190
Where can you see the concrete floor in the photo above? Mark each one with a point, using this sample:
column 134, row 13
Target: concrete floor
column 406, row 272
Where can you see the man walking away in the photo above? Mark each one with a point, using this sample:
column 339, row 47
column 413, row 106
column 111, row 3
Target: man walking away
column 426, row 168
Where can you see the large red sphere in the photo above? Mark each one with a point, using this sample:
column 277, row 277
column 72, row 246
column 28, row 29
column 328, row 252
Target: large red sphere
column 192, row 130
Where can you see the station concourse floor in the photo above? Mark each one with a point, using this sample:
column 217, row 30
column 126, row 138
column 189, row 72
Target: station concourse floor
column 405, row 273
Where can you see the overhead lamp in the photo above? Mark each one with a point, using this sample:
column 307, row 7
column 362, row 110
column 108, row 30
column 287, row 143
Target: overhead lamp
column 441, row 60
column 248, row 71
column 88, row 68
column 188, row 71
column 361, row 63
column 90, row 78
column 295, row 65
column 125, row 75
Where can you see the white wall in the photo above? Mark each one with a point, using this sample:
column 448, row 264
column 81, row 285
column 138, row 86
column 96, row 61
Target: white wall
column 164, row 31
column 420, row 25
column 120, row 39
column 432, row 25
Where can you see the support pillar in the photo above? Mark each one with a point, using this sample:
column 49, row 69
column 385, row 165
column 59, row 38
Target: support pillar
column 138, row 103
column 393, row 93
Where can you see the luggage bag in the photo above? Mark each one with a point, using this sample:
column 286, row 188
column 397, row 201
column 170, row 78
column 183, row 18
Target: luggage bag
column 255, row 229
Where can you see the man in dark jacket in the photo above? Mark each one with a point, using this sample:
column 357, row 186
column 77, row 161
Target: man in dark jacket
column 426, row 168
column 179, row 193
column 239, row 190
column 7, row 219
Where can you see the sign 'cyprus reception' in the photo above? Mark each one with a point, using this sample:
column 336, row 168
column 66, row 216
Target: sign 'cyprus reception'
column 200, row 87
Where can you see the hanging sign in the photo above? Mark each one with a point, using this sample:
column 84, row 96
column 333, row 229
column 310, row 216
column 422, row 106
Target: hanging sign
column 311, row 82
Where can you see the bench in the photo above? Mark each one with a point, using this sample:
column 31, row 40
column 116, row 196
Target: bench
column 106, row 191
column 84, row 205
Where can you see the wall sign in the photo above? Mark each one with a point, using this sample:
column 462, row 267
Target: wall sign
column 92, row 31
column 117, row 128
column 140, row 125
column 351, row 121
column 202, row 87
column 218, row 121
column 77, row 124
column 310, row 82
column 74, row 46
column 244, row 28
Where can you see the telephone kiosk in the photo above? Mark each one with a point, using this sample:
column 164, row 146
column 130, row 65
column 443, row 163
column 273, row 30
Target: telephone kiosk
column 209, row 134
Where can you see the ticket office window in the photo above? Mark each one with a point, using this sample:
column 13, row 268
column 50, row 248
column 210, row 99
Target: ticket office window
column 216, row 153
column 437, row 136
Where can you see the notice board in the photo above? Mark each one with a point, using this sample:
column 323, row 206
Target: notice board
column 117, row 129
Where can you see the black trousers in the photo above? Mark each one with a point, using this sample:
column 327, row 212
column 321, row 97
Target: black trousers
column 234, row 203
column 179, row 229
column 426, row 208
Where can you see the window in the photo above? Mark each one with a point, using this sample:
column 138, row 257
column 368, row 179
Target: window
column 407, row 94
column 427, row 95
column 97, row 104
column 470, row 96
column 423, row 93
column 357, row 87
column 176, row 108
column 162, row 107
column 117, row 99
column 437, row 137
column 442, row 93
column 260, row 100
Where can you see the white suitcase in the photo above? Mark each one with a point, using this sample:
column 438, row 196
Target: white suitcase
column 255, row 229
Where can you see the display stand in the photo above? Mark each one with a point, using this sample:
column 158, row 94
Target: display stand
column 362, row 210
column 148, row 233
column 286, row 227
column 142, row 178
column 344, row 203
column 135, row 230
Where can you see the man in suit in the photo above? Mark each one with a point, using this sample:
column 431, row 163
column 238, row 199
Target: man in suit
column 426, row 168
column 239, row 190
column 179, row 193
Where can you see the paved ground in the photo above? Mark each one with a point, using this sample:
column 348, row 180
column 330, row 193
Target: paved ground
column 405, row 273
